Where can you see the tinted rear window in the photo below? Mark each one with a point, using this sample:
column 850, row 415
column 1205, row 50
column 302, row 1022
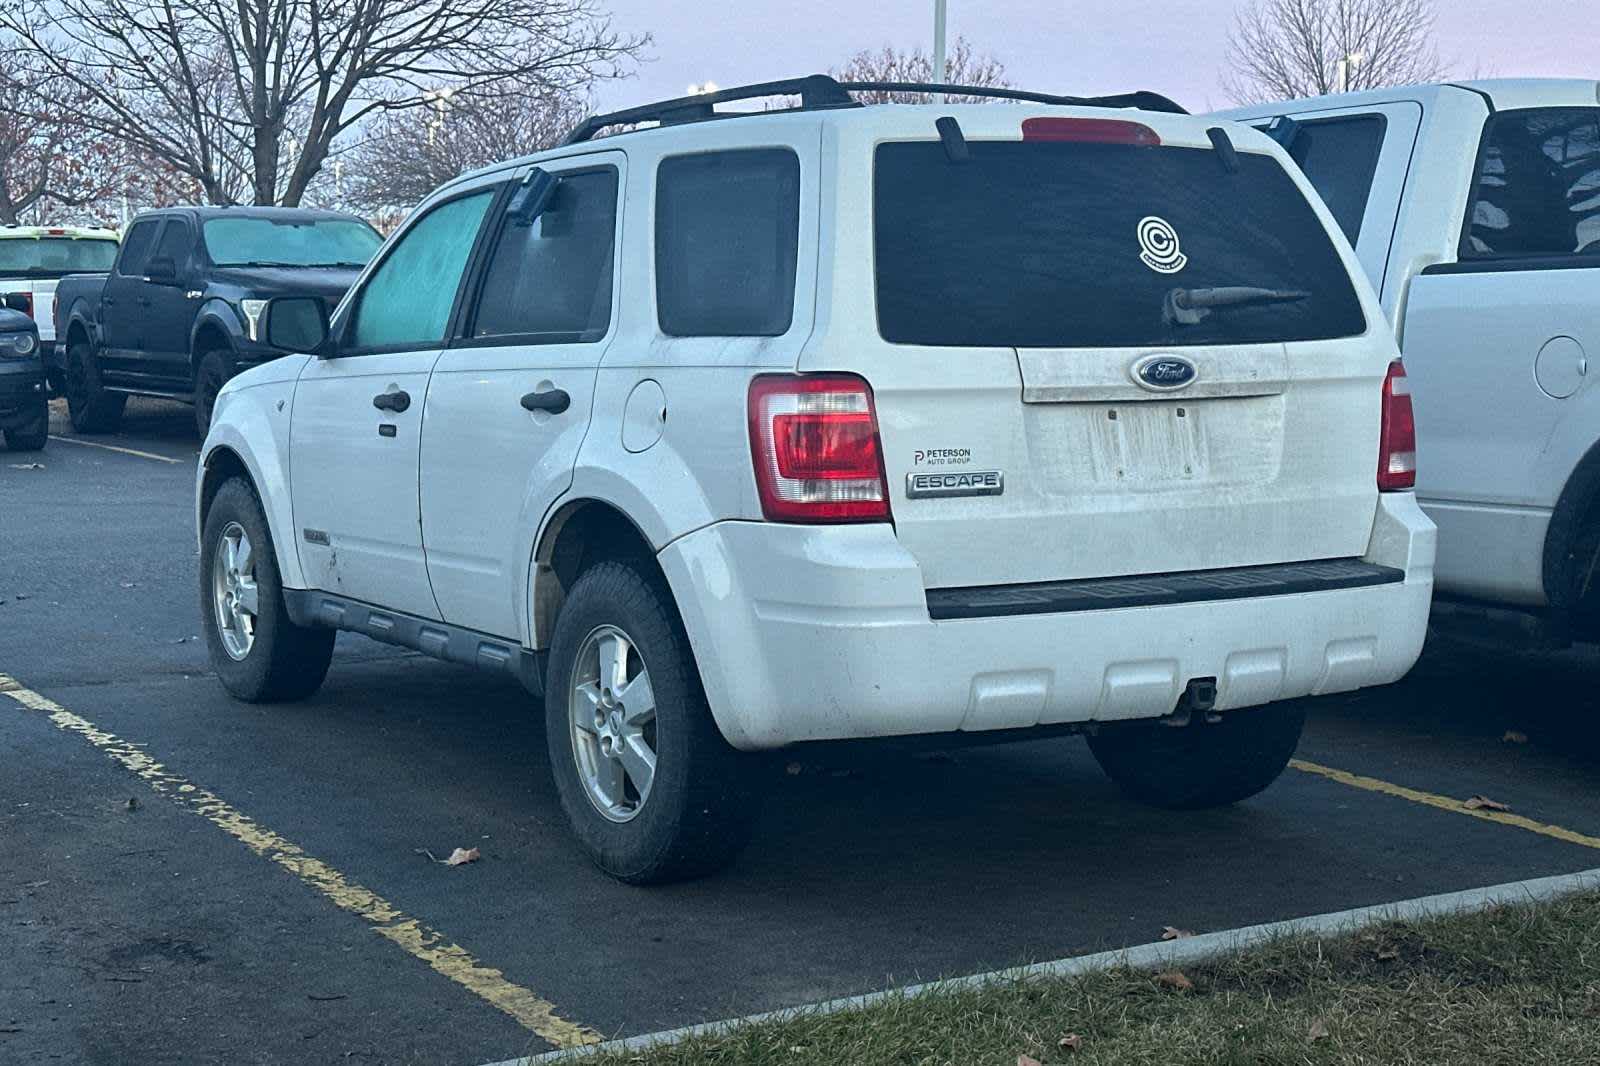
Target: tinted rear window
column 1043, row 244
column 1538, row 185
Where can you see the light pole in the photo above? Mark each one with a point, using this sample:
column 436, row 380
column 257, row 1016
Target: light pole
column 1345, row 66
column 938, row 41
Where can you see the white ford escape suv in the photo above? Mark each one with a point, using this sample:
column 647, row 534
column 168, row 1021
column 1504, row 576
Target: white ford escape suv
column 834, row 422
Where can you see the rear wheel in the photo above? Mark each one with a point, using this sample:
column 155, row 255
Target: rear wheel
column 1201, row 764
column 213, row 372
column 652, row 790
column 92, row 408
column 30, row 437
column 256, row 649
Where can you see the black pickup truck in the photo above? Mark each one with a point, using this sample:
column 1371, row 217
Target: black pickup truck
column 177, row 314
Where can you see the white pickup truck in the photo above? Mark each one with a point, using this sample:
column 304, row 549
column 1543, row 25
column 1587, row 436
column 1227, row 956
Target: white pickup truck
column 1475, row 209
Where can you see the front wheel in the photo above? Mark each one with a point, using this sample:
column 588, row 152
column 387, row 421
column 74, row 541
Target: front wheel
column 1201, row 764
column 213, row 372
column 652, row 790
column 256, row 648
column 92, row 407
column 32, row 436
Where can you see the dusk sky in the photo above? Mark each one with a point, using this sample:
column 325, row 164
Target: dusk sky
column 1170, row 46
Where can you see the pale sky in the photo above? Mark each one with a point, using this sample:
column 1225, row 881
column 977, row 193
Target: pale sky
column 1171, row 46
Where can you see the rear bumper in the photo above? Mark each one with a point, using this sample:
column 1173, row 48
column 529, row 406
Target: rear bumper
column 810, row 633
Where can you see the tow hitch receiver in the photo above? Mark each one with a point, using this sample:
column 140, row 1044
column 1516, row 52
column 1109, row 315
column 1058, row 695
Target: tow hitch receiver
column 1200, row 695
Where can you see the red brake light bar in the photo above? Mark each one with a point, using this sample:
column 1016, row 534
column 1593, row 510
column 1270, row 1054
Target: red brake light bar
column 1090, row 130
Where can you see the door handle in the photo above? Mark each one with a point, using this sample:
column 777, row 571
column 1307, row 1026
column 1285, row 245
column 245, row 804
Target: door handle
column 396, row 401
column 553, row 400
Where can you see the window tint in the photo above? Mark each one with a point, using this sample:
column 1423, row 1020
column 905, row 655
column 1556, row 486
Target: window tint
column 727, row 224
column 173, row 245
column 1062, row 244
column 407, row 299
column 1538, row 185
column 551, row 281
column 1340, row 157
column 136, row 246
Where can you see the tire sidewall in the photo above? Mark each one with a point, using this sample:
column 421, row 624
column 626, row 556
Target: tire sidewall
column 249, row 677
column 211, row 373
column 617, row 594
column 32, row 436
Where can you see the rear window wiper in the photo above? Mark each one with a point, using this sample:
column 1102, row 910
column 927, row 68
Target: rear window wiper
column 1187, row 307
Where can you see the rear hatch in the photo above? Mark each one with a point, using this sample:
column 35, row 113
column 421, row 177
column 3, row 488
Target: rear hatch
column 1052, row 401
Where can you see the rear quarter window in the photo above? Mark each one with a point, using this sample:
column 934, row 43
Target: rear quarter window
column 1047, row 244
column 727, row 229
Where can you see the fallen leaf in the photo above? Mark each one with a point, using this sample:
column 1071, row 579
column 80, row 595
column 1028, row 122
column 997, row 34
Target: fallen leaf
column 1484, row 803
column 27, row 466
column 1388, row 954
column 1172, row 932
column 1027, row 1060
column 133, row 803
column 1070, row 1042
column 129, row 584
column 1175, row 980
column 1318, row 1031
column 462, row 856
column 1515, row 737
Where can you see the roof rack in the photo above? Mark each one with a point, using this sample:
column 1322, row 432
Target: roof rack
column 819, row 92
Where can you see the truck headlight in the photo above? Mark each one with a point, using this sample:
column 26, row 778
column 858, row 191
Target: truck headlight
column 252, row 317
column 18, row 345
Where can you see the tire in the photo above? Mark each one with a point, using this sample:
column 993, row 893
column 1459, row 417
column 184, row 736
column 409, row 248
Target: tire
column 1201, row 765
column 93, row 409
column 213, row 372
column 281, row 661
column 700, row 806
column 31, row 438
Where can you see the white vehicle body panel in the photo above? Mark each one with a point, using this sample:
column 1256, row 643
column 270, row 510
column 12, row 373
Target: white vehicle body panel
column 43, row 290
column 1498, row 356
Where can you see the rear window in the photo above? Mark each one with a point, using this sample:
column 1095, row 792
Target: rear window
column 47, row 257
column 1062, row 244
column 1340, row 157
column 1537, row 191
column 727, row 224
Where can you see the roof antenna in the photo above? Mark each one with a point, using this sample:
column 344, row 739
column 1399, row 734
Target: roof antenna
column 1225, row 150
column 955, row 145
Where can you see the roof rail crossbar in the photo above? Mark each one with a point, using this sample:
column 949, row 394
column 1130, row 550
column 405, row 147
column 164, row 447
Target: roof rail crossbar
column 820, row 92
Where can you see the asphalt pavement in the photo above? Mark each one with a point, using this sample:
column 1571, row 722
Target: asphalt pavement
column 137, row 924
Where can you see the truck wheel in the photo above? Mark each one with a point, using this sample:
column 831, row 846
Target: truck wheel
column 31, row 437
column 1201, row 764
column 256, row 649
column 215, row 369
column 92, row 408
column 652, row 790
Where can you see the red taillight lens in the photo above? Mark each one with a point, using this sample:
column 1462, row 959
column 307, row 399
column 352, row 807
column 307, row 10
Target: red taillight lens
column 1089, row 130
column 1397, row 441
column 814, row 441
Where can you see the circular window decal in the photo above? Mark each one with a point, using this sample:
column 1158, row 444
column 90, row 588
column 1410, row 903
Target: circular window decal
column 1158, row 245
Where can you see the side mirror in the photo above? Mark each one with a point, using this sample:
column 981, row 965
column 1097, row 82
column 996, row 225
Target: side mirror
column 19, row 301
column 162, row 271
column 296, row 324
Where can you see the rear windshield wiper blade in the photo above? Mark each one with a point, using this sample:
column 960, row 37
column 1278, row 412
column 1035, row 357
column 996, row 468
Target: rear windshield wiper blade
column 1189, row 306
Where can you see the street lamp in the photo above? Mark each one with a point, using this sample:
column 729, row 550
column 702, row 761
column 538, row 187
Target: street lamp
column 1345, row 67
column 938, row 41
column 703, row 88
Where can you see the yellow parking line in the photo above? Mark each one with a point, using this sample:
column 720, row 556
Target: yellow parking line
column 1445, row 803
column 447, row 958
column 114, row 448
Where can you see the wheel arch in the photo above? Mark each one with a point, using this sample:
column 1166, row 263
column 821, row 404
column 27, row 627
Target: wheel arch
column 229, row 453
column 578, row 534
column 212, row 332
column 1577, row 510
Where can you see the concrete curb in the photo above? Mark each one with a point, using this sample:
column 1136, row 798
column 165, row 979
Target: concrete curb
column 1144, row 957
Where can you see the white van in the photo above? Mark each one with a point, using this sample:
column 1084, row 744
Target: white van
column 1475, row 210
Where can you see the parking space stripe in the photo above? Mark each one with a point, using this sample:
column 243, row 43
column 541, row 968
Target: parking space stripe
column 114, row 448
column 416, row 939
column 1445, row 803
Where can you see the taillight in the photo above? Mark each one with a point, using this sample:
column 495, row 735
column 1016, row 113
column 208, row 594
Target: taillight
column 1397, row 440
column 814, row 441
column 1089, row 130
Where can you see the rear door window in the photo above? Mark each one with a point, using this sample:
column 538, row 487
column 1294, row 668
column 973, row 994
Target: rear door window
column 173, row 245
column 1065, row 244
column 1537, row 188
column 727, row 230
column 1340, row 158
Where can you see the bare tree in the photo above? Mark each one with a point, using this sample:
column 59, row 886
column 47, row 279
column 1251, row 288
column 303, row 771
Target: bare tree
column 963, row 66
column 1283, row 49
column 405, row 155
column 247, row 97
column 47, row 164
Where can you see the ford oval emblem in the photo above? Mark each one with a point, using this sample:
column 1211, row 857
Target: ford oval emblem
column 1164, row 372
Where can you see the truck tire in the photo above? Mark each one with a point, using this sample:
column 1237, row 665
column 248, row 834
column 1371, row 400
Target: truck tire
column 652, row 790
column 1201, row 764
column 260, row 655
column 214, row 370
column 91, row 407
column 31, row 437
